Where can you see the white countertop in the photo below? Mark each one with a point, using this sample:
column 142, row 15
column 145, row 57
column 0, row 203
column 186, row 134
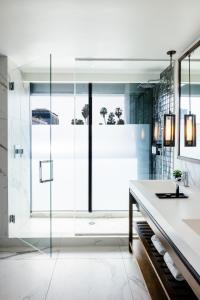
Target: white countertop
column 171, row 213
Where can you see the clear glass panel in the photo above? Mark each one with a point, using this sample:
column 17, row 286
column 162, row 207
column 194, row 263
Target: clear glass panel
column 30, row 161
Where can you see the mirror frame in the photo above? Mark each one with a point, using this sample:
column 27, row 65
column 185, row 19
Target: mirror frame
column 190, row 50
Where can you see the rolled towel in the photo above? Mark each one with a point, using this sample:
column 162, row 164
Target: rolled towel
column 158, row 245
column 172, row 267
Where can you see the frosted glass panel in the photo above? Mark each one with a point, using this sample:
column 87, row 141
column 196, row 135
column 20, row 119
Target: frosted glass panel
column 69, row 151
column 81, row 154
column 62, row 153
column 120, row 153
column 40, row 152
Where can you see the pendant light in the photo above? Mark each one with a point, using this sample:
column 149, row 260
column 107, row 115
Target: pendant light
column 156, row 132
column 190, row 121
column 156, row 127
column 169, row 119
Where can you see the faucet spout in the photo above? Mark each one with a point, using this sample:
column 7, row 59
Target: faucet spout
column 177, row 190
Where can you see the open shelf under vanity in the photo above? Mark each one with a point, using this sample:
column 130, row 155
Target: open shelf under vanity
column 171, row 288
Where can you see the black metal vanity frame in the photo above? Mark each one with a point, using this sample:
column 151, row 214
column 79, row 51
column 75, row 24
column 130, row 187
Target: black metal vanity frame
column 192, row 276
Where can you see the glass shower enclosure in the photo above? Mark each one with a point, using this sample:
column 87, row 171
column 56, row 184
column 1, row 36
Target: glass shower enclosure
column 76, row 139
column 28, row 159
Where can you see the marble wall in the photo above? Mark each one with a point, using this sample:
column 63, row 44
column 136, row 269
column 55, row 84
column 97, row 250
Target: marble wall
column 3, row 148
column 18, row 137
column 14, row 170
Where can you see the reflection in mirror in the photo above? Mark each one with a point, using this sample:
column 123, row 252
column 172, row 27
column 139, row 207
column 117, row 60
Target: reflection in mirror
column 189, row 88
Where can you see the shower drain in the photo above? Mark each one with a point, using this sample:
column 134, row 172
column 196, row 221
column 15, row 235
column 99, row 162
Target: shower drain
column 91, row 223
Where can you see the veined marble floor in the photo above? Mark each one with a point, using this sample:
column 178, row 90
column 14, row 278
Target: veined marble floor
column 73, row 273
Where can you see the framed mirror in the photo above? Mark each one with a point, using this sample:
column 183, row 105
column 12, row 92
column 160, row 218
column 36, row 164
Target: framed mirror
column 189, row 100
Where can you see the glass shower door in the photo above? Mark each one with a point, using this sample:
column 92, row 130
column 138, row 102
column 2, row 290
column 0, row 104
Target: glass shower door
column 30, row 200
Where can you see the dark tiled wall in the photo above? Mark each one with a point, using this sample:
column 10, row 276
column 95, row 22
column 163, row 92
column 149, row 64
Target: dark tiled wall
column 162, row 165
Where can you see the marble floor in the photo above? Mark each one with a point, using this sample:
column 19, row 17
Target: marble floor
column 73, row 273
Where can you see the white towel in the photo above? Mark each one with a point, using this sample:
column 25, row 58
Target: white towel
column 172, row 267
column 158, row 245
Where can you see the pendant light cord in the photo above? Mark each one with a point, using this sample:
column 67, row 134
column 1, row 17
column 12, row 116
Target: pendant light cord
column 189, row 88
column 171, row 93
column 170, row 81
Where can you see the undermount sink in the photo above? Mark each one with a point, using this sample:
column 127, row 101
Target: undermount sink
column 166, row 189
column 171, row 196
column 194, row 224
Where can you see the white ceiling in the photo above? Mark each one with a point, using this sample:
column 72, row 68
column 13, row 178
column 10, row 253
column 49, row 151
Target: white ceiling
column 96, row 28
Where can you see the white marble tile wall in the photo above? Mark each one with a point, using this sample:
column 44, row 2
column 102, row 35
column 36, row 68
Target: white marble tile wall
column 3, row 148
column 18, row 135
column 14, row 130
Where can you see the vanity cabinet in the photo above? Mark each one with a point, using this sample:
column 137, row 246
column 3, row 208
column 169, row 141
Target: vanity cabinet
column 160, row 283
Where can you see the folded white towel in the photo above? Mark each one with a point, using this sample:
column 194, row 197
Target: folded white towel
column 172, row 267
column 158, row 245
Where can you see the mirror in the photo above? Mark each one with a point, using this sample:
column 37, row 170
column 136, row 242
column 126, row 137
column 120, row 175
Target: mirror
column 189, row 153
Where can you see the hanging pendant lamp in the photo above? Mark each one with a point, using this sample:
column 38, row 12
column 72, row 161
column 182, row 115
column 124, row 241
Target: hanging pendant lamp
column 156, row 132
column 190, row 121
column 169, row 119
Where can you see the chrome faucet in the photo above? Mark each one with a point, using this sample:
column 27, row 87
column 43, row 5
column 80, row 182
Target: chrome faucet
column 185, row 179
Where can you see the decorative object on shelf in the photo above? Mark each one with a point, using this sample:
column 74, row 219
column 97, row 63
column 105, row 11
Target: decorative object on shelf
column 111, row 119
column 85, row 112
column 77, row 122
column 169, row 118
column 177, row 175
column 190, row 120
column 104, row 112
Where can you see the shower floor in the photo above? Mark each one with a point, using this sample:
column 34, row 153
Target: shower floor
column 70, row 226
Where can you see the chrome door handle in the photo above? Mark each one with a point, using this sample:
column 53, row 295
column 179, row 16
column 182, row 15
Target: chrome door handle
column 41, row 174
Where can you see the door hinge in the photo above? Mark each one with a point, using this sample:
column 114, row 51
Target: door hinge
column 12, row 218
column 11, row 86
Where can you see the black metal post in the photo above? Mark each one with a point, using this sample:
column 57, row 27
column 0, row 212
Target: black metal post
column 130, row 222
column 90, row 148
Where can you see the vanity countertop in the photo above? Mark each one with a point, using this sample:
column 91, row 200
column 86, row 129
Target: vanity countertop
column 179, row 218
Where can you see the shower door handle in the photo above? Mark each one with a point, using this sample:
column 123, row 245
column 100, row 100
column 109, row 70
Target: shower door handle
column 46, row 170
